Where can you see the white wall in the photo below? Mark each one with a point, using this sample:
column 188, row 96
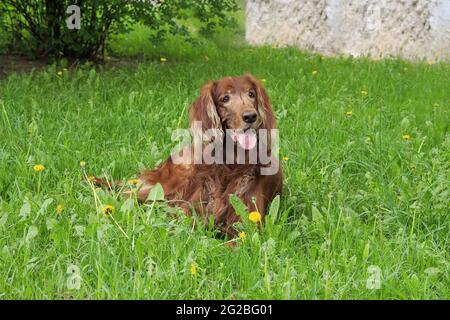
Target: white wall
column 413, row 29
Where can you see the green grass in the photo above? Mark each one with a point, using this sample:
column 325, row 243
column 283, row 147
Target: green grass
column 355, row 193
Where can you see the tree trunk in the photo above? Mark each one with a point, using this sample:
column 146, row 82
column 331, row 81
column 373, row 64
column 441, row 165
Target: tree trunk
column 55, row 15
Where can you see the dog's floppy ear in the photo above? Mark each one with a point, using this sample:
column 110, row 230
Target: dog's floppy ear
column 204, row 109
column 264, row 106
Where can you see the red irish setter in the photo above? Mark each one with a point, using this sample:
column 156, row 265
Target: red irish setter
column 236, row 108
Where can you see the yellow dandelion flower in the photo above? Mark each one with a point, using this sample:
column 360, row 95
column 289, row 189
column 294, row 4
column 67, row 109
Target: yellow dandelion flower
column 82, row 164
column 242, row 235
column 162, row 59
column 108, row 210
column 406, row 137
column 134, row 182
column 314, row 72
column 90, row 178
column 349, row 113
column 285, row 158
column 59, row 73
column 364, row 93
column 193, row 269
column 254, row 216
column 38, row 168
column 59, row 208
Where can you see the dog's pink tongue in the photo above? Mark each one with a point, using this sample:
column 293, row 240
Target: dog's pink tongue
column 247, row 140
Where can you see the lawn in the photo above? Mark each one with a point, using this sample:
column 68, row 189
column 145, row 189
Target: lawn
column 366, row 157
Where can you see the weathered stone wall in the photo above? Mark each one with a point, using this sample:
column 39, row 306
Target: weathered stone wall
column 412, row 29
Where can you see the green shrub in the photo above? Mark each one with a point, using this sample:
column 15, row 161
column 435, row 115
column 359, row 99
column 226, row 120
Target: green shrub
column 39, row 27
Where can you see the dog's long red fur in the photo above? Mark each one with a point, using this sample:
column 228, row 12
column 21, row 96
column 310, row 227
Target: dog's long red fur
column 206, row 188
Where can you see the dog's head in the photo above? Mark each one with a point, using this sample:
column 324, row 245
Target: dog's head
column 234, row 103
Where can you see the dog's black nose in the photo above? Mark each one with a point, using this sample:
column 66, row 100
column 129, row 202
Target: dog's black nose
column 249, row 116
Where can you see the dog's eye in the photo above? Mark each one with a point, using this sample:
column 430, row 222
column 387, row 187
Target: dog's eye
column 251, row 94
column 226, row 99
